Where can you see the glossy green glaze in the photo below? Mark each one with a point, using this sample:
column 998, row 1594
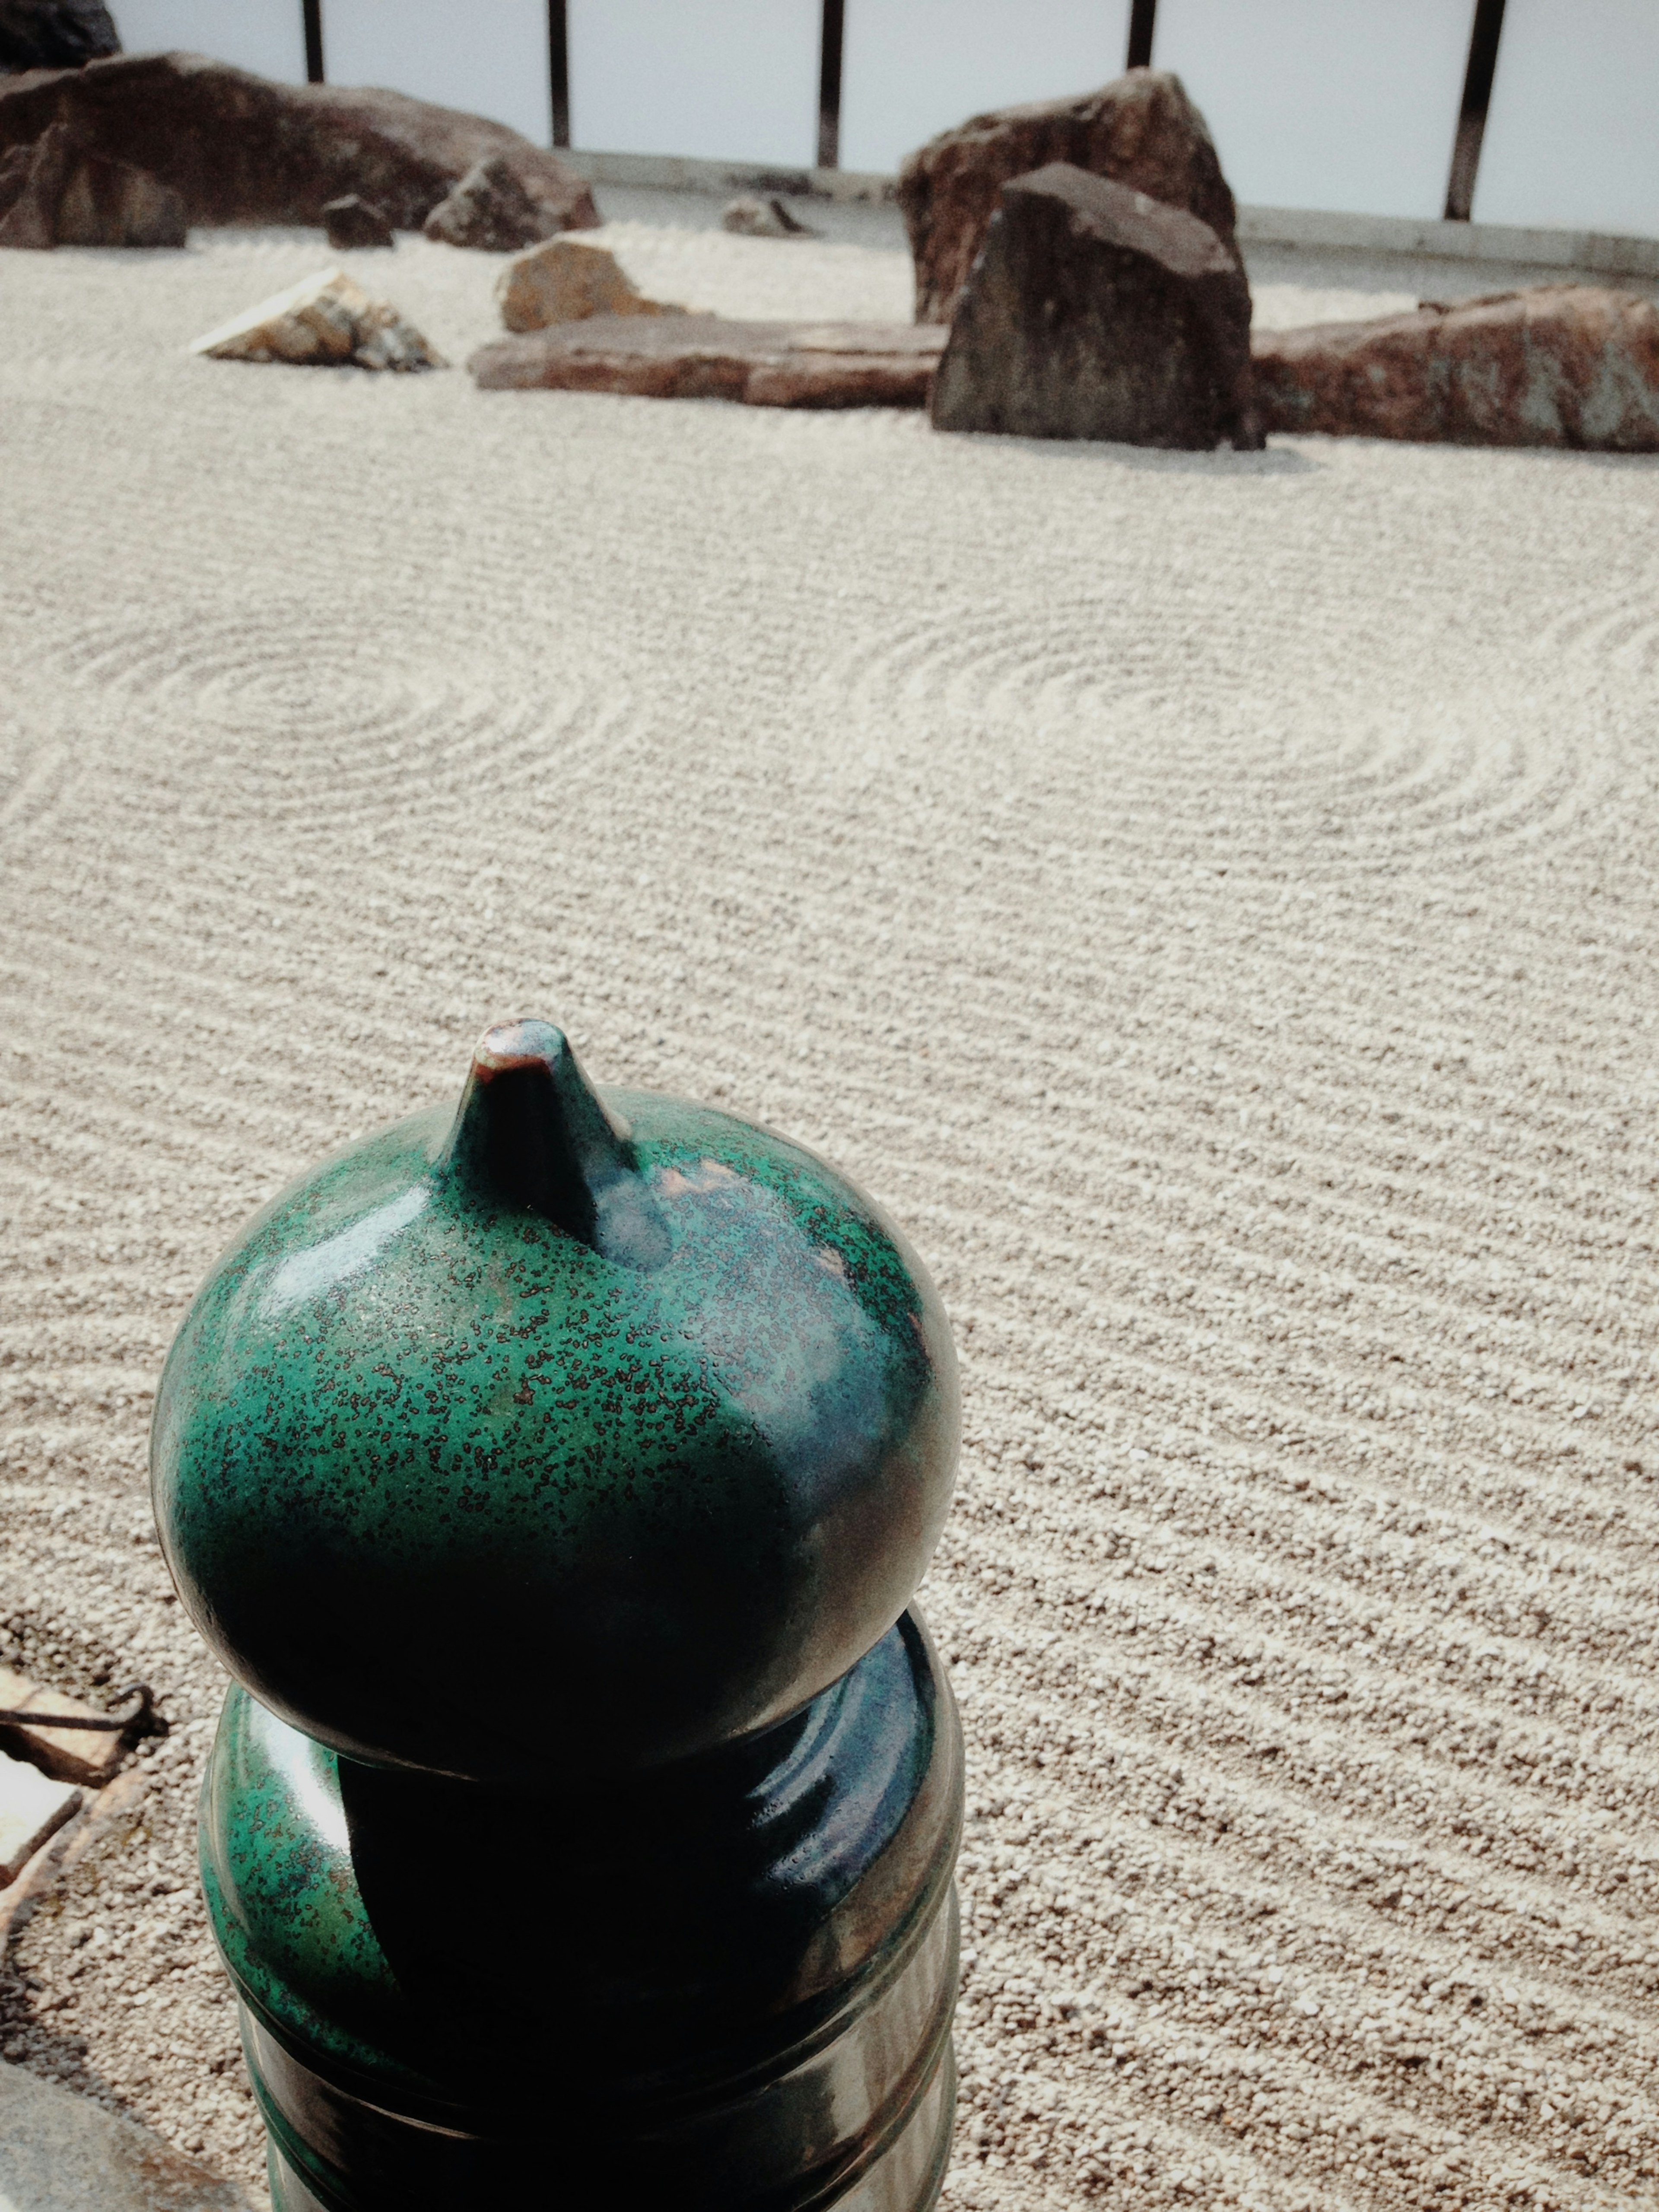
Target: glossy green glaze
column 573, row 1432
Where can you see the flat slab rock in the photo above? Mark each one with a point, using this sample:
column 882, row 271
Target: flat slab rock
column 1571, row 365
column 60, row 2152
column 709, row 357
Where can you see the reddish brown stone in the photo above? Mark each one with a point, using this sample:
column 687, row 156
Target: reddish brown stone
column 56, row 193
column 238, row 148
column 1140, row 130
column 706, row 357
column 1571, row 365
column 1094, row 311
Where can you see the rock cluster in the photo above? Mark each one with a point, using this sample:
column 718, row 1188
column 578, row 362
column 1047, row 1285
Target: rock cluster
column 568, row 281
column 238, row 148
column 58, row 192
column 1140, row 130
column 328, row 321
column 762, row 218
column 1573, row 365
column 708, row 357
column 1095, row 312
column 55, row 33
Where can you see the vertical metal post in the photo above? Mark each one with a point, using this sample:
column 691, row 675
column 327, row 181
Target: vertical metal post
column 1143, row 14
column 1472, row 116
column 830, row 46
column 313, row 20
column 558, row 69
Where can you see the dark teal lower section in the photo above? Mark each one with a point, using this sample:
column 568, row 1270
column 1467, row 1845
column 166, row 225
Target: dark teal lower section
column 728, row 1988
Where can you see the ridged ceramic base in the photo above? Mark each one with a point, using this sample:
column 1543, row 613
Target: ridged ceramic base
column 907, row 2178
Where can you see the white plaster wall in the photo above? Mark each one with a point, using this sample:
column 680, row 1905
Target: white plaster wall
column 1572, row 133
column 267, row 36
column 910, row 68
column 725, row 80
column 1350, row 105
column 489, row 58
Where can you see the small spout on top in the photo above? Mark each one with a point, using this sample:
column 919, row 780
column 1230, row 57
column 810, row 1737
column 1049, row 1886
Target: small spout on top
column 531, row 1131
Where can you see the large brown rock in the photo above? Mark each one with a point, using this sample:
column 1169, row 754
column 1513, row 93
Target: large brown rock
column 54, row 34
column 1094, row 311
column 238, row 148
column 56, row 193
column 706, row 357
column 1141, row 130
column 1562, row 365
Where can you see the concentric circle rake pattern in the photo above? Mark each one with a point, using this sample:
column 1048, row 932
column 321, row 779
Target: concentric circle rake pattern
column 359, row 732
column 1157, row 691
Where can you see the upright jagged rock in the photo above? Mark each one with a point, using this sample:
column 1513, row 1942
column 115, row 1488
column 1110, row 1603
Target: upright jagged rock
column 1141, row 130
column 490, row 208
column 55, row 33
column 1094, row 311
column 328, row 321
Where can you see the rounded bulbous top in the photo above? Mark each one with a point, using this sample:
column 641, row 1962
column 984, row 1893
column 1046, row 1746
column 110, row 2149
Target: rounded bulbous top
column 573, row 1432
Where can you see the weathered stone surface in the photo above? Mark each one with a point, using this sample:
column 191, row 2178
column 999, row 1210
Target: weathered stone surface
column 1141, row 131
column 706, row 357
column 238, row 148
column 1571, row 365
column 54, row 34
column 56, row 193
column 72, row 1754
column 61, row 2153
column 490, row 209
column 762, row 218
column 328, row 321
column 1094, row 311
column 567, row 281
column 33, row 1806
column 352, row 221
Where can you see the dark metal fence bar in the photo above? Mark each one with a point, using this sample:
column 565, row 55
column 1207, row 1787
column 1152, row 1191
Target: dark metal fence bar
column 313, row 18
column 830, row 48
column 1472, row 116
column 1143, row 15
column 558, row 69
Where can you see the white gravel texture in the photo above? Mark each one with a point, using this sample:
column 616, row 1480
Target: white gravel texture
column 1210, row 899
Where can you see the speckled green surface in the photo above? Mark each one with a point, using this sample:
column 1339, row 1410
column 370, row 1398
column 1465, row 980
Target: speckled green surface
column 446, row 1486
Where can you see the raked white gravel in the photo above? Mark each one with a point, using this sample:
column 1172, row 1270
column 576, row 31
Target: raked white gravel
column 1210, row 899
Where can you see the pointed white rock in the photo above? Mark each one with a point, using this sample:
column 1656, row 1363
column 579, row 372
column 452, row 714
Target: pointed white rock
column 326, row 321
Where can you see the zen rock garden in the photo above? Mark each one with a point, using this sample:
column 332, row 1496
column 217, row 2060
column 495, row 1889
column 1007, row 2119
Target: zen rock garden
column 1077, row 270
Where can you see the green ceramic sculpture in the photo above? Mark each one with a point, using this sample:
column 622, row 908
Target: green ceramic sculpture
column 551, row 1475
